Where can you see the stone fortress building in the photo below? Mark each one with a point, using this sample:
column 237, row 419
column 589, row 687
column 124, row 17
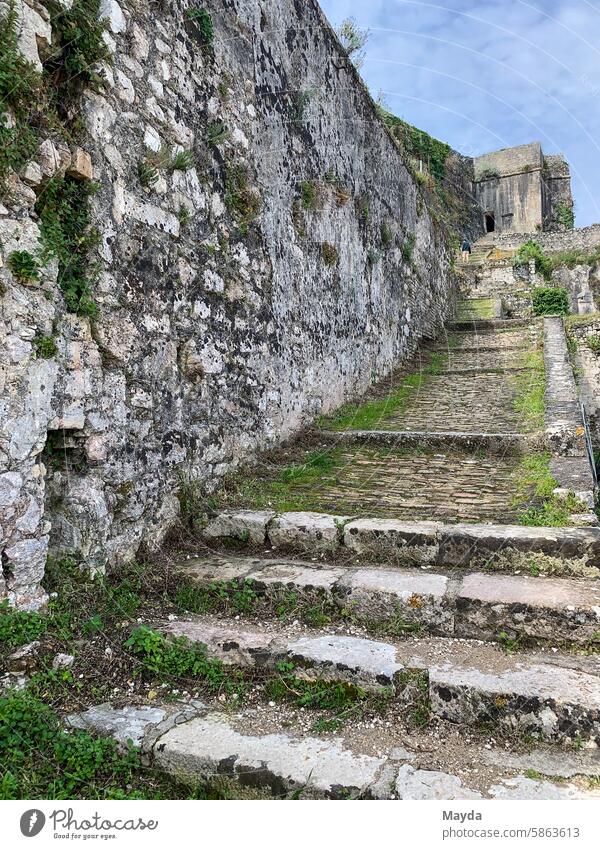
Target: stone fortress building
column 522, row 190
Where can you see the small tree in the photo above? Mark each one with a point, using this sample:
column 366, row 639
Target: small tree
column 353, row 40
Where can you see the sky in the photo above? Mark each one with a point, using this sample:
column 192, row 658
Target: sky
column 487, row 74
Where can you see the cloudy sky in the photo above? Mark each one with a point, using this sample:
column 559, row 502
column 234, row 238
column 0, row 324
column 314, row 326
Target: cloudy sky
column 486, row 74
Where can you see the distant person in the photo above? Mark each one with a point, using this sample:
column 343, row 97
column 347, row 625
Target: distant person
column 466, row 250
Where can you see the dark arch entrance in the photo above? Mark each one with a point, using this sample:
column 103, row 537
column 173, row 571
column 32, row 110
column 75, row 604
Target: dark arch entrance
column 490, row 222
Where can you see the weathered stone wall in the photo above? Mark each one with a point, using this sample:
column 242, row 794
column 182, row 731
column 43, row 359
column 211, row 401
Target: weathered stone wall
column 557, row 194
column 586, row 358
column 583, row 238
column 515, row 200
column 511, row 160
column 291, row 264
column 526, row 190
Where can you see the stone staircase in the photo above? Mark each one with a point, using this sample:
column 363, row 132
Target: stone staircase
column 410, row 576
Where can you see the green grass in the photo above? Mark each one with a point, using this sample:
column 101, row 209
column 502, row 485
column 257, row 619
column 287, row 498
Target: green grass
column 474, row 309
column 285, row 489
column 530, row 388
column 535, row 486
column 367, row 416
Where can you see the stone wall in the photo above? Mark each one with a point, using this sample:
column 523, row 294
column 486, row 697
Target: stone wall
column 515, row 200
column 285, row 263
column 583, row 238
column 585, row 334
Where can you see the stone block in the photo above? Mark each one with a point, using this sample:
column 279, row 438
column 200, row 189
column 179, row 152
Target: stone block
column 555, row 703
column 122, row 724
column 346, row 658
column 414, row 598
column 81, row 165
column 424, row 784
column 297, row 577
column 244, row 525
column 394, row 542
column 203, row 747
column 306, row 531
column 538, row 608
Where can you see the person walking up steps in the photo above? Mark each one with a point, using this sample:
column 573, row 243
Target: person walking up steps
column 466, row 250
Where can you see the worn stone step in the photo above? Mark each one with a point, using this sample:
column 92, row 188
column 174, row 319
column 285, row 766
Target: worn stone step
column 482, row 606
column 480, row 325
column 266, row 749
column 557, row 551
column 555, row 697
column 491, row 443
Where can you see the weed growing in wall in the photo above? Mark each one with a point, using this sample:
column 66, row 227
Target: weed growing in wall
column 73, row 65
column 203, row 22
column 24, row 266
column 241, row 199
column 20, row 91
column 182, row 161
column 564, row 215
column 216, row 133
column 45, row 346
column 68, row 235
column 330, row 254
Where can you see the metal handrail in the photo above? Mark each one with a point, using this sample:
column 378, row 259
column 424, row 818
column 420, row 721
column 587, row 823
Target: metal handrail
column 588, row 443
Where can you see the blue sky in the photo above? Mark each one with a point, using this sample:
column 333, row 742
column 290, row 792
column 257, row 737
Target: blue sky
column 486, row 74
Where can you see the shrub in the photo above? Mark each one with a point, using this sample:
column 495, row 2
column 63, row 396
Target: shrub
column 487, row 174
column 532, row 251
column 24, row 266
column 20, row 85
column 204, row 23
column 550, row 301
column 353, row 40
column 565, row 215
column 77, row 38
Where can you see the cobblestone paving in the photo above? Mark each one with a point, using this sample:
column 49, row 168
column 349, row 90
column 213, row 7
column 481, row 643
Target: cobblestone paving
column 453, row 402
column 398, row 485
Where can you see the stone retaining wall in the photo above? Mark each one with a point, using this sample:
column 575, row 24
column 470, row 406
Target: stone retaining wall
column 283, row 266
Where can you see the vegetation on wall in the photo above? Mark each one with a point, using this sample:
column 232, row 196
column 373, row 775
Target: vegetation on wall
column 532, row 251
column 419, row 145
column 353, row 39
column 46, row 105
column 550, row 301
column 68, row 235
column 79, row 46
column 564, row 214
column 20, row 93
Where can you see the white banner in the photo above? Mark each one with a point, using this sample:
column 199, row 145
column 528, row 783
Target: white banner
column 284, row 824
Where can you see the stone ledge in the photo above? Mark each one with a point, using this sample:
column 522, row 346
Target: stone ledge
column 477, row 605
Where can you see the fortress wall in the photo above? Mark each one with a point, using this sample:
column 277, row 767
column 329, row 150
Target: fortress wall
column 287, row 263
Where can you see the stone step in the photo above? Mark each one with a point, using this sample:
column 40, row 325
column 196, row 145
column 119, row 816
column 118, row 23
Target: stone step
column 482, row 325
column 553, row 696
column 477, row 605
column 492, row 443
column 552, row 551
column 267, row 750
